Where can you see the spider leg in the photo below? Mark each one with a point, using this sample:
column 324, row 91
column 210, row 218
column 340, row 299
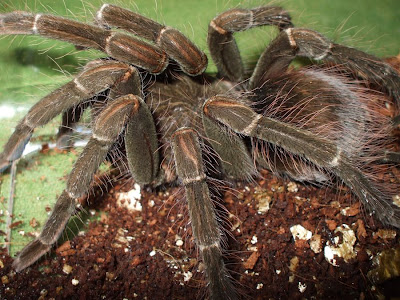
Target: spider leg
column 107, row 128
column 131, row 84
column 235, row 159
column 69, row 118
column 96, row 77
column 141, row 143
column 222, row 45
column 174, row 43
column 189, row 167
column 294, row 42
column 117, row 45
column 141, row 146
column 322, row 152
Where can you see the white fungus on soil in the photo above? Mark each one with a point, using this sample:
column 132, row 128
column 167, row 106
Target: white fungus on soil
column 316, row 243
column 67, row 269
column 263, row 201
column 187, row 275
column 292, row 187
column 302, row 287
column 345, row 249
column 299, row 232
column 130, row 200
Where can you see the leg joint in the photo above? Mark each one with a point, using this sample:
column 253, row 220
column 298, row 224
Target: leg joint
column 197, row 178
column 248, row 130
column 217, row 28
column 205, row 247
column 35, row 29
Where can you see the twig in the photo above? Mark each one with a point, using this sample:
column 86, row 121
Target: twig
column 10, row 208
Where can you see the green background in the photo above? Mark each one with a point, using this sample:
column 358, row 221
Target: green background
column 30, row 67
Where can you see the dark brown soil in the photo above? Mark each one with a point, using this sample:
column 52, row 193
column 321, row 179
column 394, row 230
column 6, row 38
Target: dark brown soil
column 150, row 254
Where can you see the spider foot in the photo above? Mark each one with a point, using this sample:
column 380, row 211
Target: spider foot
column 15, row 146
column 64, row 141
column 31, row 253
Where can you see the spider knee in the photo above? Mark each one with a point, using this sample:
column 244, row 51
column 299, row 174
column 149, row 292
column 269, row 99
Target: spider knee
column 217, row 28
column 35, row 29
column 99, row 15
column 308, row 43
column 248, row 130
column 213, row 245
column 195, row 179
column 80, row 86
column 183, row 130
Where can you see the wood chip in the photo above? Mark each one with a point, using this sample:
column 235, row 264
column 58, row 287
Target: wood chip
column 251, row 261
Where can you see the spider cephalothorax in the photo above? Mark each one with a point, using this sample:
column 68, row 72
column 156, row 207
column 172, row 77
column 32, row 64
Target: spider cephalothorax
column 312, row 124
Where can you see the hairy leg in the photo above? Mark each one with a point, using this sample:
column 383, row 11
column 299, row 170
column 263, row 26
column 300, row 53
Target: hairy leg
column 232, row 152
column 294, row 42
column 178, row 47
column 322, row 152
column 96, row 77
column 190, row 170
column 69, row 118
column 107, row 128
column 117, row 45
column 221, row 42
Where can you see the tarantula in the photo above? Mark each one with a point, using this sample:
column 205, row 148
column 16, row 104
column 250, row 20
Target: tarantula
column 152, row 93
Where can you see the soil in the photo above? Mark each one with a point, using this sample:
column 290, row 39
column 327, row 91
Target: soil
column 150, row 254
